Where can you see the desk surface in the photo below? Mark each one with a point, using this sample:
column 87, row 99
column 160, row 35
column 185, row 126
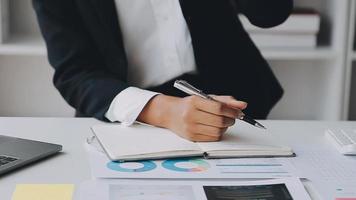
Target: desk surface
column 72, row 165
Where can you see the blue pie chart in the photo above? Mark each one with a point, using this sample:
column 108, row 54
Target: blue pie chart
column 144, row 166
column 200, row 165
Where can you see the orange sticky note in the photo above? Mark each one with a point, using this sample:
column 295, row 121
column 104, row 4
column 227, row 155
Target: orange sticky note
column 43, row 192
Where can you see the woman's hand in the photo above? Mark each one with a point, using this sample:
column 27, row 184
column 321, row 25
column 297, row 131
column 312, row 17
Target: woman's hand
column 193, row 117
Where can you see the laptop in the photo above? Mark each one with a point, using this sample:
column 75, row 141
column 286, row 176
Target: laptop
column 16, row 152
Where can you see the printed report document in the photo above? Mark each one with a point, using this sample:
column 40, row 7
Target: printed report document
column 144, row 142
column 273, row 189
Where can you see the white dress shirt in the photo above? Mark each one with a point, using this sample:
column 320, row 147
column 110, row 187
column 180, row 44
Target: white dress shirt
column 158, row 46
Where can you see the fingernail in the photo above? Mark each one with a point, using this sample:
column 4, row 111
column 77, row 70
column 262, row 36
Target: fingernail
column 246, row 104
column 240, row 115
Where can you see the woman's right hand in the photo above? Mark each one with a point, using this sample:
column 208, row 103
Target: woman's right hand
column 193, row 117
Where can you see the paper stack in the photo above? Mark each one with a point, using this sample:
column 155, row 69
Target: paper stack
column 298, row 31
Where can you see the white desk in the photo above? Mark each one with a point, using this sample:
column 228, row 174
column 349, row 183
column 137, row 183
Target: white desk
column 72, row 165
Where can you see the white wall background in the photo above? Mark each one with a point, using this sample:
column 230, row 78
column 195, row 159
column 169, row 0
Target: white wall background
column 26, row 88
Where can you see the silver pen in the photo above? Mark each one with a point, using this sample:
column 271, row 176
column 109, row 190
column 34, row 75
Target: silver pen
column 184, row 86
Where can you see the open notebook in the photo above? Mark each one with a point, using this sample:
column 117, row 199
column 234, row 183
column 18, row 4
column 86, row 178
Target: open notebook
column 141, row 142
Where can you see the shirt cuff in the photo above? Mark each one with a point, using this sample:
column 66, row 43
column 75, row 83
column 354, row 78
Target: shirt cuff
column 128, row 104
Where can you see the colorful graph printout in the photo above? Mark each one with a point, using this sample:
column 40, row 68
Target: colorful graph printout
column 188, row 168
column 141, row 166
column 191, row 165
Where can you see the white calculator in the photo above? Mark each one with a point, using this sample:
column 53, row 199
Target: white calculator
column 343, row 139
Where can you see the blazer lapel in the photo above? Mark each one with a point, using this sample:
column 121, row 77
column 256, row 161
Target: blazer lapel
column 102, row 21
column 102, row 16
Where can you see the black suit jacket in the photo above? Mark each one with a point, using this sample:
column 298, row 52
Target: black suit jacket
column 85, row 48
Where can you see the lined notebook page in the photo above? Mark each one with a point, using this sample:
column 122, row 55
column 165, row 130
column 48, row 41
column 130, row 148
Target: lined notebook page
column 121, row 140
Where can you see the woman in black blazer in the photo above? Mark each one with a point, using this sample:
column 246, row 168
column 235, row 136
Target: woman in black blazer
column 86, row 49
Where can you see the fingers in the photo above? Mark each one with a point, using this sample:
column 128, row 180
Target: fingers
column 213, row 120
column 211, row 131
column 202, row 133
column 204, row 138
column 231, row 101
column 203, row 120
column 215, row 107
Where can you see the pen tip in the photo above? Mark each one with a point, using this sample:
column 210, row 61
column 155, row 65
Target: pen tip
column 260, row 126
